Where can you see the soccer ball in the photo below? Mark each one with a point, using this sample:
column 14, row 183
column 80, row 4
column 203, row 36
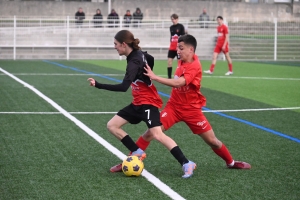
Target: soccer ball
column 132, row 166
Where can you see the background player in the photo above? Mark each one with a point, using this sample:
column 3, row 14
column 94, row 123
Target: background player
column 176, row 30
column 145, row 104
column 186, row 102
column 222, row 45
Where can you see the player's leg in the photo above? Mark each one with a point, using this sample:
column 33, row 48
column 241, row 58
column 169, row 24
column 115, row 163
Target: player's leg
column 171, row 56
column 114, row 127
column 199, row 125
column 217, row 50
column 229, row 61
column 187, row 166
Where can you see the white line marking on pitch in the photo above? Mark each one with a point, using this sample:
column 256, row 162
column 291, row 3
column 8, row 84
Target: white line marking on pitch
column 206, row 111
column 158, row 183
column 211, row 76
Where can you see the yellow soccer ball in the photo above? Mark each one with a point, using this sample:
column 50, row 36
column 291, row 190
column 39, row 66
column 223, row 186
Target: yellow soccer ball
column 132, row 166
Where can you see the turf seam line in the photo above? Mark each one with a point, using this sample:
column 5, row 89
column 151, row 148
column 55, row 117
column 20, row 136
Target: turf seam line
column 204, row 108
column 151, row 178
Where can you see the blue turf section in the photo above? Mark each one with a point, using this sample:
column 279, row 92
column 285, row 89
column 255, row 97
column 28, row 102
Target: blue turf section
column 204, row 108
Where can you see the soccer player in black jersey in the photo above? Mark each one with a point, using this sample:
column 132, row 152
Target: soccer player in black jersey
column 145, row 104
column 176, row 30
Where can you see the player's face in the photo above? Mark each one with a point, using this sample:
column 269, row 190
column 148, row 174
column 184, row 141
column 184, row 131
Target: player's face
column 174, row 21
column 184, row 51
column 220, row 21
column 119, row 47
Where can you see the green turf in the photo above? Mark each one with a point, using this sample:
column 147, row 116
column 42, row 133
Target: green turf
column 49, row 157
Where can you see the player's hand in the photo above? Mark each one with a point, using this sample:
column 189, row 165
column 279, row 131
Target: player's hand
column 149, row 72
column 223, row 48
column 92, row 81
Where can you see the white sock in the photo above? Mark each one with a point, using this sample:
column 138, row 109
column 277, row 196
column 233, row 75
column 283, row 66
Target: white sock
column 231, row 164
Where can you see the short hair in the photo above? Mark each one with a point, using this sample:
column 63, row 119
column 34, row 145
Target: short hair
column 188, row 39
column 175, row 16
column 220, row 17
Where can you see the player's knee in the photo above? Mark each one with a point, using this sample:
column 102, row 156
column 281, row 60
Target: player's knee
column 111, row 127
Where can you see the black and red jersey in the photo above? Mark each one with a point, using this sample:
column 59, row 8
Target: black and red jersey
column 143, row 90
column 176, row 31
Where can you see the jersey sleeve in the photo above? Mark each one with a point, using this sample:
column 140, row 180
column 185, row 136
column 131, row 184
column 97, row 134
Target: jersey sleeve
column 131, row 72
column 225, row 30
column 190, row 74
column 182, row 31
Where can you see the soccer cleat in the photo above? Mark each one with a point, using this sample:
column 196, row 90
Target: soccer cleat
column 207, row 72
column 116, row 168
column 239, row 165
column 228, row 73
column 188, row 169
column 139, row 153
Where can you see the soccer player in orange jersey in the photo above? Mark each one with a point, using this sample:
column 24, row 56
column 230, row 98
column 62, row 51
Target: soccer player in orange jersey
column 186, row 102
column 221, row 46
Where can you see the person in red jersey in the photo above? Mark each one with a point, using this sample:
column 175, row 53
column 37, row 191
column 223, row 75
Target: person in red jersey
column 186, row 102
column 221, row 46
column 145, row 104
column 176, row 30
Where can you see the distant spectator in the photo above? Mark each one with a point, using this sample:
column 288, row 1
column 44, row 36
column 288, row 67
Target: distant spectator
column 98, row 18
column 113, row 18
column 79, row 16
column 204, row 18
column 137, row 16
column 127, row 18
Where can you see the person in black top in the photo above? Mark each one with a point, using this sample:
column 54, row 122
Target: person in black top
column 79, row 16
column 98, row 18
column 176, row 30
column 113, row 18
column 145, row 104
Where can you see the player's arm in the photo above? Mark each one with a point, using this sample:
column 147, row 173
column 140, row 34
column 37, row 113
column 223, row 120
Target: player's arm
column 122, row 87
column 169, row 82
column 225, row 32
column 131, row 71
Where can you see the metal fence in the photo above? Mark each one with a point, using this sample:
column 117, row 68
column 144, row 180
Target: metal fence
column 65, row 38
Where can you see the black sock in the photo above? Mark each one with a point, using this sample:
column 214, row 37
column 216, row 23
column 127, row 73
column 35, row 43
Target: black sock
column 129, row 143
column 169, row 72
column 177, row 153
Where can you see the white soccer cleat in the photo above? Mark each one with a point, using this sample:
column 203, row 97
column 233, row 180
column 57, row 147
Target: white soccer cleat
column 228, row 73
column 207, row 72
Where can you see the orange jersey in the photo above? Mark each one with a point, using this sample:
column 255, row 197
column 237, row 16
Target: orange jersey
column 145, row 94
column 222, row 31
column 189, row 94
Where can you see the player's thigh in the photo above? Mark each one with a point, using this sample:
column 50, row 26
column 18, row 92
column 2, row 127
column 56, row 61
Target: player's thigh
column 196, row 121
column 172, row 54
column 150, row 115
column 218, row 49
column 169, row 116
column 116, row 122
column 130, row 114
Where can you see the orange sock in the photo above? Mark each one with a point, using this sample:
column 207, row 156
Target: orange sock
column 230, row 67
column 142, row 144
column 224, row 154
column 212, row 66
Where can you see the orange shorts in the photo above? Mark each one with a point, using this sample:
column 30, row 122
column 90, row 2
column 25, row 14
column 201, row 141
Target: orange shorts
column 218, row 48
column 193, row 117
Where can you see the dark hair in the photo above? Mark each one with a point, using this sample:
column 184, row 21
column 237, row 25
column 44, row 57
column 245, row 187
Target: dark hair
column 175, row 16
column 188, row 39
column 127, row 37
column 220, row 17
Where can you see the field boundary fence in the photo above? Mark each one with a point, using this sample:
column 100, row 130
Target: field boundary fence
column 65, row 38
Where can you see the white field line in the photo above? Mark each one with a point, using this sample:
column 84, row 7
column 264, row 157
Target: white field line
column 205, row 111
column 121, row 75
column 151, row 178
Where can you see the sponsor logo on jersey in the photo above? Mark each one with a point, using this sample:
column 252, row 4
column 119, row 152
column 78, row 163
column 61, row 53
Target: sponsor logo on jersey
column 201, row 123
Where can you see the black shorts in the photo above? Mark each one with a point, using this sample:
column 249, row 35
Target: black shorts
column 135, row 114
column 172, row 54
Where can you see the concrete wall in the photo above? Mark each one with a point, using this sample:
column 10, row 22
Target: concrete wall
column 150, row 8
